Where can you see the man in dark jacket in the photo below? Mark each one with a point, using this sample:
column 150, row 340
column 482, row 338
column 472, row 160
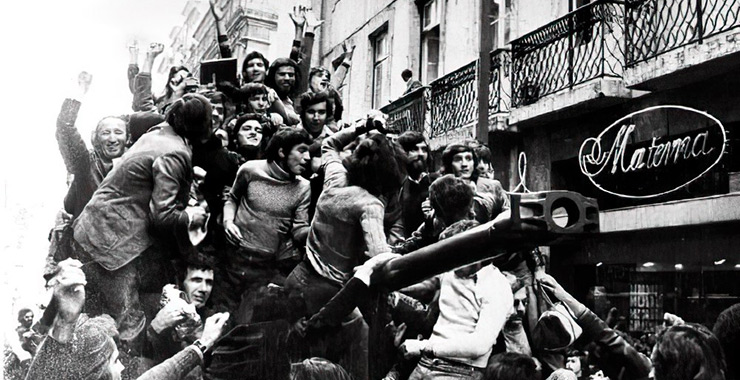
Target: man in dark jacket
column 416, row 185
column 137, row 220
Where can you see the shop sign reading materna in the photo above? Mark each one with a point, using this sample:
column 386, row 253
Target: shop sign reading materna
column 653, row 152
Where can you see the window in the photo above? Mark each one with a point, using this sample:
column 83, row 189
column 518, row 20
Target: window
column 430, row 55
column 430, row 42
column 380, row 67
column 430, row 15
column 499, row 18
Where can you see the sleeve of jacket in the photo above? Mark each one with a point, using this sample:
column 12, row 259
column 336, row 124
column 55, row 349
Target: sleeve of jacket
column 616, row 355
column 335, row 175
column 371, row 220
column 304, row 61
column 393, row 222
column 223, row 46
column 170, row 173
column 143, row 97
column 300, row 219
column 162, row 344
column 71, row 145
column 175, row 367
column 133, row 69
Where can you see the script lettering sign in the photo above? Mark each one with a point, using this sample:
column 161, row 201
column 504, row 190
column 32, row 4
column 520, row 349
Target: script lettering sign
column 655, row 166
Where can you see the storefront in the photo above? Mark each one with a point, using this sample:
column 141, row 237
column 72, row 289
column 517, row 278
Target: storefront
column 665, row 169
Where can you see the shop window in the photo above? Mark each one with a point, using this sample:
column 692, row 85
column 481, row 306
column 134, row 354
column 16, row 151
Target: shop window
column 380, row 66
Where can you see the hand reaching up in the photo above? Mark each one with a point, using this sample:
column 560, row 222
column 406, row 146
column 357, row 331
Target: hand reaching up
column 216, row 11
column 69, row 289
column 84, row 79
column 298, row 16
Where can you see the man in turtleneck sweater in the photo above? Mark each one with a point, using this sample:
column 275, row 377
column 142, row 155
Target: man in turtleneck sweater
column 265, row 214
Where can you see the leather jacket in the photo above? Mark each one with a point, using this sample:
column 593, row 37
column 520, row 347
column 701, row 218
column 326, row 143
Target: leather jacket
column 141, row 202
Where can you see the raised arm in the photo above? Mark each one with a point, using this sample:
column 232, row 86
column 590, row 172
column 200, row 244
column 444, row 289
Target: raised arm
column 306, row 52
column 71, row 145
column 143, row 96
column 298, row 16
column 341, row 72
column 133, row 64
column 615, row 353
column 221, row 32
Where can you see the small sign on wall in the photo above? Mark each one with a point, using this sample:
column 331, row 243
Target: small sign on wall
column 623, row 162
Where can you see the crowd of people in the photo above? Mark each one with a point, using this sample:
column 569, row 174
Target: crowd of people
column 215, row 207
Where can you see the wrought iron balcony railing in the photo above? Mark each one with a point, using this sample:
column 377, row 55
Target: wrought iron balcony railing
column 409, row 112
column 454, row 100
column 654, row 27
column 451, row 102
column 583, row 45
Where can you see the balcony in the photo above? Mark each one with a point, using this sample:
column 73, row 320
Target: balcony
column 447, row 109
column 569, row 65
column 409, row 112
column 670, row 43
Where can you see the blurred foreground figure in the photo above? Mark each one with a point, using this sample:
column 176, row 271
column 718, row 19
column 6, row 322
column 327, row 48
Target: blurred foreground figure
column 79, row 347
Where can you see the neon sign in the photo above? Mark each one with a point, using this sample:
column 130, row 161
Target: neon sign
column 655, row 166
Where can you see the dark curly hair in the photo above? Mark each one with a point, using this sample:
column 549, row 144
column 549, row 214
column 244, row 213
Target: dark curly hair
column 272, row 72
column 252, row 55
column 686, row 352
column 285, row 138
column 267, row 130
column 374, row 166
column 727, row 331
column 190, row 116
column 450, row 196
column 307, row 99
column 511, row 365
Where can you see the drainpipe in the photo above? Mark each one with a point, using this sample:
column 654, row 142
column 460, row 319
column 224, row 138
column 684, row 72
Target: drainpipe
column 484, row 71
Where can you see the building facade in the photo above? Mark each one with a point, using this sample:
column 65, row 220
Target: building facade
column 660, row 72
column 260, row 25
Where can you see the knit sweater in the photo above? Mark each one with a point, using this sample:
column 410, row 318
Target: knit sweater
column 265, row 203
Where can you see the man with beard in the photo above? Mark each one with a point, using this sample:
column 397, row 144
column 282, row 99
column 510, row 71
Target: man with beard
column 416, row 185
column 265, row 216
column 282, row 77
column 515, row 338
